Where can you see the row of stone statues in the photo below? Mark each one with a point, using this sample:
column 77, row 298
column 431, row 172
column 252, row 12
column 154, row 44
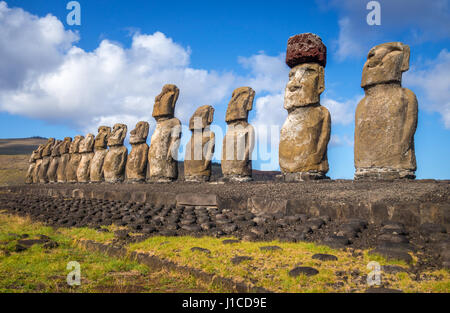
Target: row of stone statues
column 385, row 123
column 105, row 158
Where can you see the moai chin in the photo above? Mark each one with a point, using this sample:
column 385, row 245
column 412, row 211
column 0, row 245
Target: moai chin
column 87, row 154
column 46, row 155
column 163, row 152
column 54, row 162
column 116, row 158
column 38, row 158
column 136, row 169
column 239, row 140
column 64, row 160
column 386, row 118
column 74, row 161
column 200, row 148
column 100, row 151
column 306, row 132
column 31, row 167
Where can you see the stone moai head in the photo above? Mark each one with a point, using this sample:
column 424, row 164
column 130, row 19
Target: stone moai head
column 47, row 151
column 37, row 154
column 241, row 102
column 165, row 102
column 202, row 117
column 118, row 135
column 65, row 146
column 87, row 144
column 139, row 133
column 385, row 64
column 56, row 149
column 75, row 144
column 306, row 56
column 101, row 140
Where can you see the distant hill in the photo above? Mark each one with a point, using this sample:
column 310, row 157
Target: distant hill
column 14, row 146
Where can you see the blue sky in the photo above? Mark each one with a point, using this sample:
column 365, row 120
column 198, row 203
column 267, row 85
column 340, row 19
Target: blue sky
column 60, row 80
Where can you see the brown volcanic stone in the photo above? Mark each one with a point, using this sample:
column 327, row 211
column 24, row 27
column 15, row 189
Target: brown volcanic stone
column 87, row 153
column 74, row 161
column 54, row 162
column 163, row 151
column 64, row 159
column 100, row 151
column 386, row 118
column 32, row 166
column 305, row 48
column 239, row 140
column 116, row 158
column 200, row 148
column 46, row 153
column 138, row 157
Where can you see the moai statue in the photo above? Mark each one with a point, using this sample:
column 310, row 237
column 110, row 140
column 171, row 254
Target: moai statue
column 54, row 162
column 64, row 160
column 74, row 161
column 386, row 118
column 101, row 149
column 163, row 152
column 239, row 140
column 200, row 148
column 87, row 154
column 116, row 158
column 305, row 133
column 37, row 167
column 46, row 155
column 31, row 167
column 138, row 157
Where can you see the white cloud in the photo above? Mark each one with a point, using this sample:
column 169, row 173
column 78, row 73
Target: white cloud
column 434, row 80
column 340, row 140
column 342, row 112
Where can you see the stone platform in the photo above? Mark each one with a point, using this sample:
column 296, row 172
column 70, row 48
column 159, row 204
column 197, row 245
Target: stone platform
column 410, row 202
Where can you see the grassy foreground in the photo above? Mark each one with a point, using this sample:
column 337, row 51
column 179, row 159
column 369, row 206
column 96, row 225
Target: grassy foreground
column 39, row 269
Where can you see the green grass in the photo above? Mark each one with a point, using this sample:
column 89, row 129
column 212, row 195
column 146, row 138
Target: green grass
column 38, row 269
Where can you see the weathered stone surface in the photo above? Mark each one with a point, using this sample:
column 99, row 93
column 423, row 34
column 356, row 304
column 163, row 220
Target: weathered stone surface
column 386, row 118
column 54, row 162
column 100, row 151
column 64, row 159
column 31, row 168
column 262, row 205
column 163, row 152
column 239, row 140
column 305, row 48
column 306, row 132
column 303, row 270
column 116, row 158
column 197, row 199
column 46, row 154
column 87, row 153
column 200, row 148
column 74, row 161
column 136, row 169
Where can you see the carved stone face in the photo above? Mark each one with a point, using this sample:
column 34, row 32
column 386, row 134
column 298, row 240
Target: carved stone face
column 75, row 145
column 48, row 147
column 139, row 133
column 165, row 101
column 101, row 140
column 202, row 117
column 118, row 135
column 385, row 63
column 87, row 144
column 306, row 83
column 241, row 102
column 56, row 149
column 37, row 154
column 65, row 146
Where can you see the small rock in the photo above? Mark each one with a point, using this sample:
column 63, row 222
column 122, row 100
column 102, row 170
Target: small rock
column 270, row 248
column 121, row 234
column 238, row 259
column 336, row 241
column 391, row 254
column 199, row 249
column 229, row 241
column 429, row 228
column 324, row 257
column 51, row 245
column 393, row 269
column 19, row 248
column 229, row 228
column 305, row 270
